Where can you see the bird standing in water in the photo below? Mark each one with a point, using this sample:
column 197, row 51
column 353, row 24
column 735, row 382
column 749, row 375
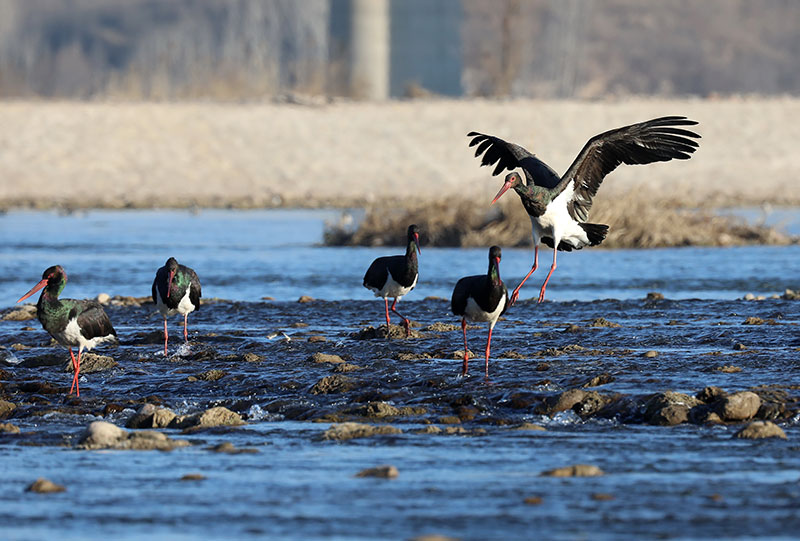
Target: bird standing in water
column 559, row 206
column 176, row 290
column 395, row 276
column 481, row 298
column 73, row 323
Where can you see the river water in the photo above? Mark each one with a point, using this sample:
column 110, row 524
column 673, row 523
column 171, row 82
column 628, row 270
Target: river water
column 691, row 481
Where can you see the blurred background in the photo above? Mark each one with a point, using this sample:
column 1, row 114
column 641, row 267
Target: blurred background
column 248, row 49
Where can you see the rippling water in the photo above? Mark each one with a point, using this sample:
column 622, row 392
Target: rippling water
column 684, row 482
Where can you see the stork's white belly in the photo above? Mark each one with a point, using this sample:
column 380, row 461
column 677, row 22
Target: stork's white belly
column 185, row 306
column 476, row 313
column 557, row 223
column 393, row 289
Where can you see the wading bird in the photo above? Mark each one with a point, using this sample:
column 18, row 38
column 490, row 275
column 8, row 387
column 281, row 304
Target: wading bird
column 176, row 290
column 396, row 275
column 559, row 207
column 82, row 324
column 481, row 298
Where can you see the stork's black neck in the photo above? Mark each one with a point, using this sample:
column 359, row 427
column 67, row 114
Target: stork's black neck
column 534, row 198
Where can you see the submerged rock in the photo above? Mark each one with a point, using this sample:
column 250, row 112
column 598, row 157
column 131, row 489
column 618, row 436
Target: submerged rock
column 193, row 477
column 576, row 470
column 602, row 322
column 394, row 332
column 333, row 384
column 761, row 429
column 231, row 449
column 326, row 358
column 347, row 431
column 375, row 410
column 105, row 435
column 211, row 375
column 44, row 486
column 530, row 427
column 381, row 472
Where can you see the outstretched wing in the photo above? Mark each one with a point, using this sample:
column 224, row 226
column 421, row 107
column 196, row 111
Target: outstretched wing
column 510, row 156
column 657, row 140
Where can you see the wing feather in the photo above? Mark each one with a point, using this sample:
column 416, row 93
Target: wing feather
column 656, row 140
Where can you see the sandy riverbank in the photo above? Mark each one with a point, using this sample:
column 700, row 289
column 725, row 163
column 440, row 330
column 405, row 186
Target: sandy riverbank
column 266, row 154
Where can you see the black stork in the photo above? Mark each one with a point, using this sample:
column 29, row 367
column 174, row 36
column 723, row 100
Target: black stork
column 481, row 298
column 176, row 290
column 396, row 275
column 559, row 206
column 82, row 324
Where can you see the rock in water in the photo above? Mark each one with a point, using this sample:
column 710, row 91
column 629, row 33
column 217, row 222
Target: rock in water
column 381, row 472
column 576, row 470
column 44, row 486
column 739, row 406
column 104, row 435
column 347, row 431
column 761, row 429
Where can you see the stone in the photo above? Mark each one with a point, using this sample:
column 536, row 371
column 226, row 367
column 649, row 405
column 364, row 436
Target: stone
column 449, row 420
column 533, row 500
column 103, row 298
column 305, row 298
column 216, row 416
column 347, row 431
column 317, row 338
column 6, row 408
column 752, row 320
column 8, row 428
column 739, row 406
column 441, row 327
column 375, row 410
column 761, row 429
column 252, row 357
column 211, row 375
column 23, row 313
column 728, row 369
column 669, row 408
column 231, row 449
column 91, row 363
column 576, row 470
column 564, row 401
column 380, row 472
column 710, row 394
column 654, row 296
column 602, row 322
column 602, row 497
column 151, row 416
column 44, row 486
column 430, row 429
column 346, row 367
column 333, row 384
column 529, row 427
column 105, row 435
column 650, row 354
column 326, row 358
column 193, row 477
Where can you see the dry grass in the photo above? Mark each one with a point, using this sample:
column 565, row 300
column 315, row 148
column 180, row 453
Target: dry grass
column 635, row 220
column 351, row 154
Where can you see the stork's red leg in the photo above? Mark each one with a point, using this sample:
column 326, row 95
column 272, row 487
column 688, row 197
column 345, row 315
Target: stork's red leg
column 488, row 348
column 386, row 302
column 515, row 294
column 74, row 370
column 166, row 337
column 185, row 327
column 77, row 374
column 549, row 274
column 466, row 351
column 406, row 323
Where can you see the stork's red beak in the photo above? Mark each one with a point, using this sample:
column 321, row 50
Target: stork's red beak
column 169, row 282
column 416, row 241
column 35, row 288
column 506, row 186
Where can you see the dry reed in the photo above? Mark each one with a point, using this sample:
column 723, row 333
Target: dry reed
column 635, row 220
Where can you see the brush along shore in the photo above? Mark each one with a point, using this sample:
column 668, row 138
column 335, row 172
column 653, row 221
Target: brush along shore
column 635, row 220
